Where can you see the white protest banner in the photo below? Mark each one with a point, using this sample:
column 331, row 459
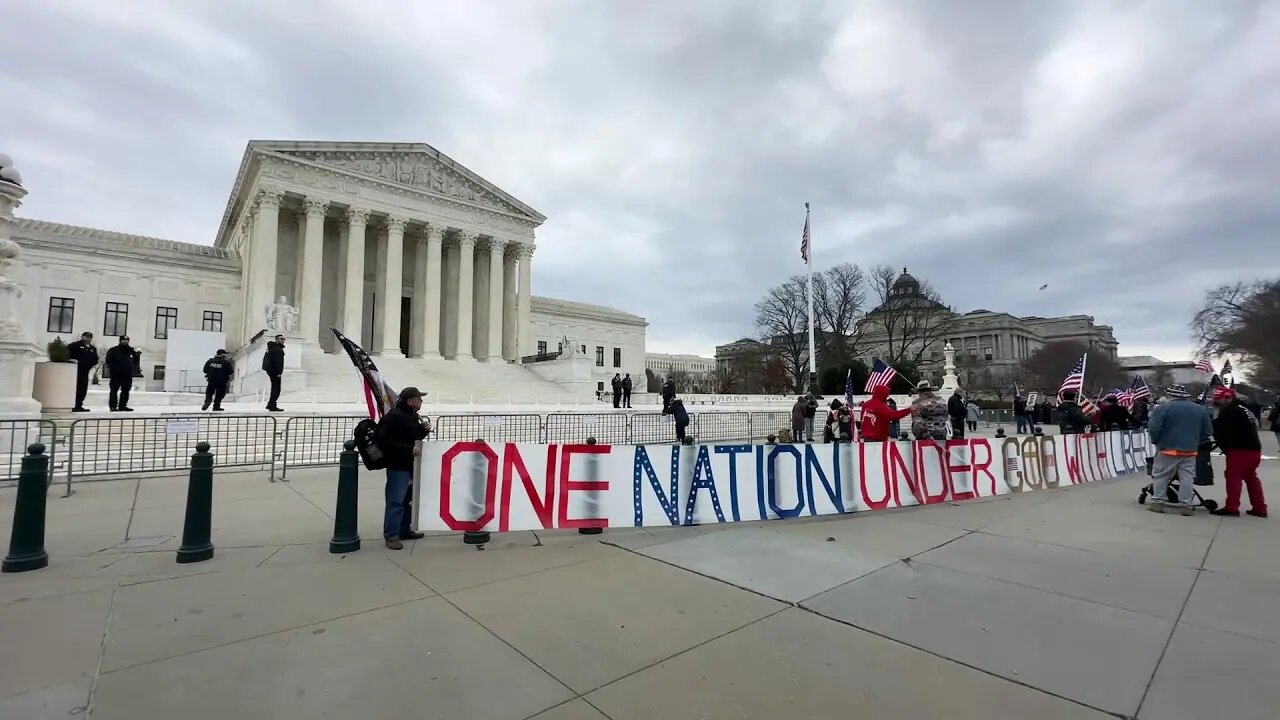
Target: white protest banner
column 478, row 486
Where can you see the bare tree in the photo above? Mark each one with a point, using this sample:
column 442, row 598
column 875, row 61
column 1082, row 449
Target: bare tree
column 682, row 379
column 1243, row 319
column 839, row 297
column 1048, row 366
column 782, row 317
column 776, row 379
column 912, row 326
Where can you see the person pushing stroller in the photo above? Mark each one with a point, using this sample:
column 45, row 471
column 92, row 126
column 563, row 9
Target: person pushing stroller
column 1177, row 429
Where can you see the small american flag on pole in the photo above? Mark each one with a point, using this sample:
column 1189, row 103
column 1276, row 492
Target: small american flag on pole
column 1075, row 378
column 804, row 239
column 881, row 374
column 1138, row 389
column 1201, row 365
column 1228, row 376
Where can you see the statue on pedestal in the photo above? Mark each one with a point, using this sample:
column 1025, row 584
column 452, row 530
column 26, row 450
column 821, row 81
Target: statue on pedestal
column 950, row 383
column 281, row 316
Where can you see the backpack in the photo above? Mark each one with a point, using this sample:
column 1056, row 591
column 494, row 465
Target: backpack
column 366, row 437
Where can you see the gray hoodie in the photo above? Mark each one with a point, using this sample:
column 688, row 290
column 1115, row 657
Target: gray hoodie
column 1180, row 425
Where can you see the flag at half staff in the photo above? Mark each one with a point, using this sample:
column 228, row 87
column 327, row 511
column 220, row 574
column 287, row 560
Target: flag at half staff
column 881, row 374
column 804, row 238
column 379, row 397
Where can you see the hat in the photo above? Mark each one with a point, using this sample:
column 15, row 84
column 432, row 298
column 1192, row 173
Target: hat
column 1176, row 391
column 410, row 392
column 924, row 385
column 221, row 352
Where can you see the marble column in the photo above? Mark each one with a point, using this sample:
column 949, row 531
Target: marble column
column 509, row 305
column 393, row 288
column 266, row 236
column 312, row 263
column 417, row 317
column 247, row 276
column 434, row 278
column 524, row 331
column 353, row 300
column 494, row 316
column 466, row 280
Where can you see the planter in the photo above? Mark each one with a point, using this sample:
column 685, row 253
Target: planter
column 55, row 386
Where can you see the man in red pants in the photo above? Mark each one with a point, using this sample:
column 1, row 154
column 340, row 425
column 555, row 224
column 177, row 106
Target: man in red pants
column 1236, row 432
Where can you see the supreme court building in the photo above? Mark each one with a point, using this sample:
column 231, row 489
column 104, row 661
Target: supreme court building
column 394, row 244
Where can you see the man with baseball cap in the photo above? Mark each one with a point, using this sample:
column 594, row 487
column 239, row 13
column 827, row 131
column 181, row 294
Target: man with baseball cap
column 1236, row 431
column 1178, row 428
column 398, row 434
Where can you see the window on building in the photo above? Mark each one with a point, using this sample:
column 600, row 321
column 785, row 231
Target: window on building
column 62, row 312
column 617, row 357
column 158, row 373
column 115, row 320
column 542, row 347
column 599, row 387
column 987, row 352
column 582, row 349
column 212, row 321
column 973, row 352
column 166, row 320
column 599, row 356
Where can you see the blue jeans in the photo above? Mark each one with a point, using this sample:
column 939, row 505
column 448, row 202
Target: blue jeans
column 1023, row 422
column 395, row 522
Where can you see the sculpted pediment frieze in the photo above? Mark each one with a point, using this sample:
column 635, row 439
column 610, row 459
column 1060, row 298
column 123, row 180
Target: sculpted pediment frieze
column 410, row 168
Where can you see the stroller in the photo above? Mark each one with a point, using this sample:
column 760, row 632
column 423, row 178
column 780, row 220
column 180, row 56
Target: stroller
column 1204, row 476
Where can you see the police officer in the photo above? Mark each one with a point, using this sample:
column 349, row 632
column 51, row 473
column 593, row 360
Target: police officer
column 218, row 371
column 121, row 361
column 85, row 356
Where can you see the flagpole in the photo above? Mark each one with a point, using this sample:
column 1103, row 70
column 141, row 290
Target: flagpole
column 813, row 361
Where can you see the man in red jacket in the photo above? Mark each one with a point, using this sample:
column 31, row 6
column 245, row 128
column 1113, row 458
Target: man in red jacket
column 1236, row 432
column 877, row 416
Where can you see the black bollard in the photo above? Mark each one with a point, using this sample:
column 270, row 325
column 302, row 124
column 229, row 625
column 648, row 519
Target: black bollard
column 1000, row 432
column 346, row 536
column 478, row 483
column 1037, row 430
column 593, row 469
column 771, row 440
column 196, row 543
column 26, row 542
column 903, row 436
column 687, row 440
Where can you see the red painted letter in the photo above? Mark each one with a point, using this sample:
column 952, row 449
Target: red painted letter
column 567, row 485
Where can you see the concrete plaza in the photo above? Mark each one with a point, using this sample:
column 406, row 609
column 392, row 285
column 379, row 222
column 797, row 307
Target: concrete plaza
column 1070, row 603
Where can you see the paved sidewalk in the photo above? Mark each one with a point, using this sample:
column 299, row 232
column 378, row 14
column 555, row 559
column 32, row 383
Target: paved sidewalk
column 1073, row 603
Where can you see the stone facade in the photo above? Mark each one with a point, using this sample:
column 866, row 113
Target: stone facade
column 663, row 363
column 395, row 244
column 612, row 340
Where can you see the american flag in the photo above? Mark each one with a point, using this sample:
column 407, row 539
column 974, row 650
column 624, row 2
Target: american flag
column 848, row 389
column 1214, row 382
column 1087, row 407
column 1228, row 377
column 881, row 374
column 1126, row 399
column 1201, row 365
column 1138, row 389
column 804, row 239
column 1075, row 379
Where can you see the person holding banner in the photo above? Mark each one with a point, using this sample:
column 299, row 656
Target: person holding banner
column 398, row 434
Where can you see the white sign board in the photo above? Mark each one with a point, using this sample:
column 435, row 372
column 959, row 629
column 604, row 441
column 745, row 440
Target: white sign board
column 182, row 427
column 184, row 358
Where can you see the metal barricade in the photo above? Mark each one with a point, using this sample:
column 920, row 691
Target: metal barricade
column 606, row 428
column 773, row 422
column 656, row 428
column 520, row 428
column 16, row 436
column 315, row 440
column 996, row 417
column 102, row 447
column 719, row 426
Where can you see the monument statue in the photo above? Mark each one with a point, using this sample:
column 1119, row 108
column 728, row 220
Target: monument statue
column 569, row 346
column 281, row 316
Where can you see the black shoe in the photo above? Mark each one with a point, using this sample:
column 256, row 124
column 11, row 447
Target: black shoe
column 204, row 406
column 217, row 409
column 124, row 409
column 1256, row 514
column 412, row 535
column 112, row 410
column 80, row 409
column 1224, row 511
column 275, row 409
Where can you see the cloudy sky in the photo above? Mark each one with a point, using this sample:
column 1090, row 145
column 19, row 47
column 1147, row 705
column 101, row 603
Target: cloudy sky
column 1125, row 153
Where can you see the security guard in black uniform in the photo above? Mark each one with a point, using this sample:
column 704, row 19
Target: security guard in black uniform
column 218, row 370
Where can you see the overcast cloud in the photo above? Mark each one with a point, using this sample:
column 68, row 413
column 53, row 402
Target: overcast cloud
column 1126, row 153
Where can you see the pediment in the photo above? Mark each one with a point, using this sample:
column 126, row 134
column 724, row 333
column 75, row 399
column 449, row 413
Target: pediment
column 419, row 169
